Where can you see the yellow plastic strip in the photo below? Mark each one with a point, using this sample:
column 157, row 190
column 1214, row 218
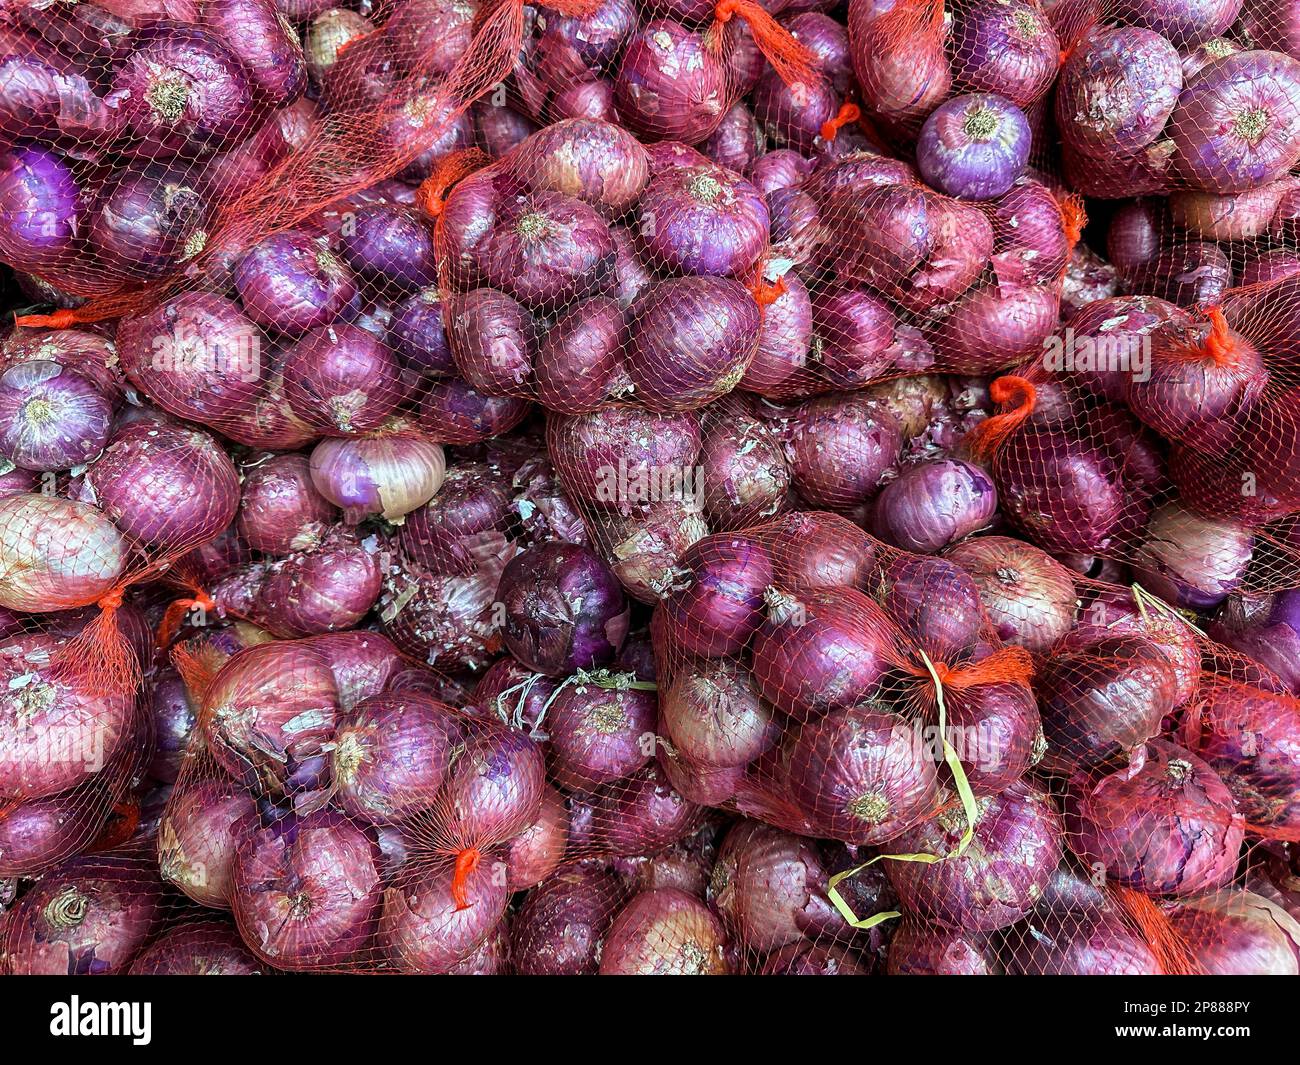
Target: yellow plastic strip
column 968, row 805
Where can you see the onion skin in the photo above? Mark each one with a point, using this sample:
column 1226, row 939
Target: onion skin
column 718, row 604
column 988, row 329
column 51, row 418
column 918, row 949
column 198, row 836
column 92, row 355
column 593, row 160
column 454, row 412
column 306, row 890
column 934, row 602
column 737, row 141
column 92, row 553
column 839, row 449
column 389, row 245
column 293, row 282
column 1240, row 933
column 1123, row 326
column 166, row 485
column 280, row 510
column 934, row 504
column 417, row 334
column 449, row 623
column 1029, row 597
column 388, row 476
column 746, row 477
column 88, row 917
column 1167, row 828
column 853, row 333
column 644, row 549
column 664, row 932
column 40, row 209
column 598, row 735
column 995, row 729
column 974, row 146
column 861, row 776
column 392, row 754
column 1085, row 942
column 653, row 97
column 784, row 342
column 714, row 716
column 173, row 715
column 493, row 342
column 363, row 663
column 466, row 520
column 562, row 925
column 1104, row 698
column 198, row 948
column 998, row 879
column 1236, row 96
column 341, row 380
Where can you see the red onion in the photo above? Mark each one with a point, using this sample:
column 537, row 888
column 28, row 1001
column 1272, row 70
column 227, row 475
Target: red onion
column 702, row 219
column 1104, row 698
column 391, row 755
column 389, row 244
column 988, row 329
column 974, row 146
column 423, row 929
column 738, row 140
column 902, row 67
column 918, row 949
column 493, row 342
column 698, row 783
column 173, row 715
column 642, row 814
column 784, row 339
column 534, row 854
column 416, row 334
column 148, row 222
column 822, row 551
column 745, row 474
column 1193, row 561
column 714, row 716
column 716, row 604
column 306, row 890
column 561, row 927
column 453, row 412
column 88, row 917
column 933, row 504
column 1108, row 612
column 449, row 623
column 853, row 333
column 92, row 554
column 51, row 418
column 496, row 786
column 1239, row 933
column 363, row 663
column 41, row 209
column 936, row 603
column 1164, row 826
column 164, row 484
column 1085, row 942
column 1006, row 48
column 461, row 525
column 292, row 282
column 839, row 449
column 654, row 98
column 961, row 241
column 644, row 548
column 388, row 476
column 861, row 775
column 280, row 510
column 599, row 731
column 884, row 230
column 327, row 35
column 38, row 833
column 664, row 932
column 198, row 836
column 341, row 380
column 1028, row 596
column 198, row 948
column 996, row 732
column 578, row 365
column 593, row 160
column 270, row 715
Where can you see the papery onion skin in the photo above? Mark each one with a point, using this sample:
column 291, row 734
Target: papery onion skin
column 167, row 485
column 198, row 836
column 998, row 878
column 597, row 734
column 493, row 342
column 974, row 147
column 38, row 833
column 467, row 517
column 391, row 755
column 839, row 448
column 746, row 477
column 454, row 412
column 50, row 417
column 862, row 775
column 1168, row 828
column 448, row 622
column 1102, row 699
column 561, row 926
column 664, row 932
column 1085, row 942
column 91, row 555
column 280, row 509
column 643, row 814
column 596, row 161
column 88, row 917
column 1028, row 596
column 306, row 890
column 1240, row 933
column 388, row 476
column 714, row 716
column 198, row 948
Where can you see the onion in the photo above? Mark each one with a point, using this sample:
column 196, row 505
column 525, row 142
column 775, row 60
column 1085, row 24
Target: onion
column 329, row 33
column 493, row 342
column 466, row 520
column 306, row 890
column 642, row 814
column 38, row 833
column 934, row 602
column 196, row 355
column 416, row 334
column 88, row 917
column 172, row 713
column 996, row 731
column 1103, row 699
column 1193, row 561
column 164, row 484
column 1028, row 596
column 853, row 334
column 599, row 733
column 1164, row 826
column 738, row 140
column 918, row 949
column 1111, row 341
column 388, row 476
column 453, row 412
column 713, row 714
column 198, row 948
column 884, row 230
column 902, row 67
column 745, row 473
column 423, row 929
column 702, row 219
column 793, row 115
column 974, row 146
column 861, row 775
column 578, row 365
column 51, row 418
column 839, row 449
column 1239, row 933
column 933, row 504
column 563, row 609
column 823, row 551
column 701, row 784
column 1006, row 48
column 449, row 623
column 389, row 244
column 535, row 853
column 292, row 282
column 664, row 932
column 89, row 354
column 989, row 329
column 270, row 715
column 562, row 925
column 593, row 160
column 40, row 209
column 280, row 510
column 198, row 836
column 998, row 878
column 149, row 221
column 1117, row 90
column 391, row 755
column 670, row 84
column 341, row 380
column 363, row 664
column 644, row 549
column 1085, row 942
column 716, row 605
column 1236, row 126
column 90, row 557
column 1248, row 739
column 496, row 786
column 1269, row 266
column 779, row 169
column 1108, row 612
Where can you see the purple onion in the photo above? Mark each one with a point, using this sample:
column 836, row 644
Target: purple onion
column 493, row 342
column 390, row 244
column 670, row 85
column 974, row 146
column 417, row 334
column 292, row 282
column 703, row 220
column 50, row 417
column 148, row 222
column 597, row 733
column 1005, row 48
column 41, row 209
column 341, row 380
column 561, row 926
column 853, row 334
column 198, row 835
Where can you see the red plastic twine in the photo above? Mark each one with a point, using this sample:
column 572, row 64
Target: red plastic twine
column 1172, row 953
column 1010, row 665
column 432, row 193
column 985, row 439
column 61, row 319
column 175, row 614
column 99, row 657
column 123, row 822
column 847, row 114
column 793, row 61
column 1073, row 218
column 466, row 863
